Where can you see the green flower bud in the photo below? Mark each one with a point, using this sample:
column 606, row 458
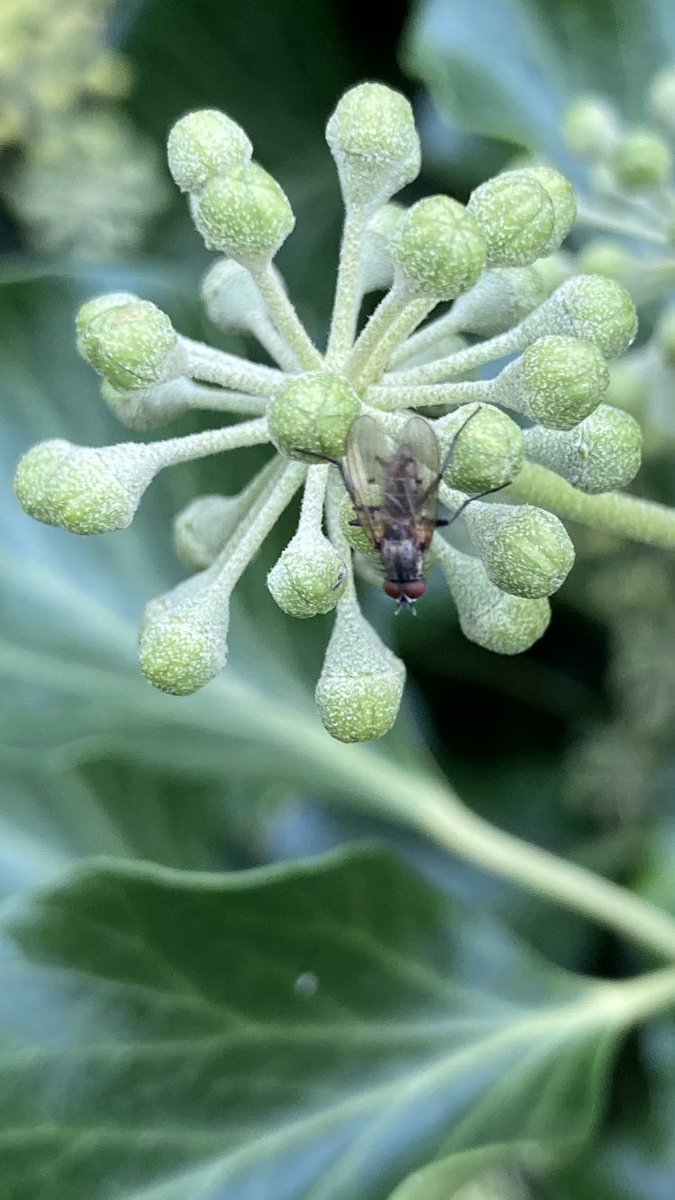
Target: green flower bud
column 83, row 489
column 203, row 144
column 355, row 535
column 600, row 455
column 563, row 199
column 309, row 578
column 245, row 214
column 313, row 412
column 377, row 265
column 593, row 308
column 129, row 341
column 438, row 249
column 231, row 297
column 373, row 140
column 627, row 385
column 641, row 160
column 491, row 618
column 501, row 298
column 554, row 270
column 359, row 692
column 517, row 218
column 489, row 452
column 605, row 257
column 183, row 636
column 558, row 381
column 662, row 97
column 665, row 336
column 202, row 528
column 590, row 128
column 526, row 551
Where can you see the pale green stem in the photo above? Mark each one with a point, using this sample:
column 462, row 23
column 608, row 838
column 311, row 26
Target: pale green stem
column 230, row 371
column 286, row 319
column 602, row 218
column 348, row 288
column 428, row 338
column 381, row 334
column 427, row 395
column 263, row 514
column 212, row 399
column 639, row 999
column 459, row 363
column 313, row 500
column 617, row 513
column 276, row 346
column 199, row 445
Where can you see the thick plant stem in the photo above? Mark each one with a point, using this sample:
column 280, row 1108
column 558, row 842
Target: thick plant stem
column 348, row 289
column 396, row 315
column 617, row 513
column 286, row 319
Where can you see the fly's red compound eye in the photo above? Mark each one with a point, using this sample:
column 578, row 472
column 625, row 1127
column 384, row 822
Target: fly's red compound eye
column 392, row 589
column 414, row 590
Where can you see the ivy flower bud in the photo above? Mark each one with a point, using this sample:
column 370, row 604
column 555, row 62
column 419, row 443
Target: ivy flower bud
column 202, row 528
column 561, row 193
column 526, row 551
column 602, row 256
column 601, row 454
column 501, row 298
column 589, row 307
column 129, row 341
column 489, row 452
column 641, row 160
column 373, row 140
column 312, row 412
column 244, row 214
column 205, row 143
column 360, row 688
column 231, row 297
column 149, row 408
column 83, row 489
column 493, row 619
column 310, row 576
column 355, row 535
column 558, row 381
column 517, row 218
column 590, row 128
column 438, row 249
column 662, row 97
column 183, row 636
column 377, row 265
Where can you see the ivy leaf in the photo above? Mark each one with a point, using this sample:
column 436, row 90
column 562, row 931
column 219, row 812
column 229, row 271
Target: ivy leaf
column 281, row 1032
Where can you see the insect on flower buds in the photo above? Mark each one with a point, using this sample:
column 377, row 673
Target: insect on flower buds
column 244, row 214
column 600, row 454
column 374, row 142
column 129, row 341
column 313, row 412
column 493, row 619
column 526, row 551
column 489, row 452
column 203, row 144
column 438, row 249
column 309, row 578
column 183, row 637
column 359, row 692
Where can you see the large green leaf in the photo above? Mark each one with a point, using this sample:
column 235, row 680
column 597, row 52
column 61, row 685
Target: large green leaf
column 509, row 68
column 306, row 1033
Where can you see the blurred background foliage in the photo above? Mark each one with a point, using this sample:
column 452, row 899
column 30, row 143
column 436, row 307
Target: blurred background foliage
column 570, row 746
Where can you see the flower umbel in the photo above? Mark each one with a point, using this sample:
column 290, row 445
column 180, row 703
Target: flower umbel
column 485, row 258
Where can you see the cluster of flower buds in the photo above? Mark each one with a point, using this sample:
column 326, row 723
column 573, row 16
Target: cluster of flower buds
column 540, row 417
column 629, row 204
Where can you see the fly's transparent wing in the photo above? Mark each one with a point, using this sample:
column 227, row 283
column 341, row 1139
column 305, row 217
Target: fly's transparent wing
column 420, row 486
column 366, row 468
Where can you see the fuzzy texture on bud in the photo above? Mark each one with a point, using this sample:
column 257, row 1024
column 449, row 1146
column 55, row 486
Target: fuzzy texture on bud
column 245, row 214
column 590, row 128
column 359, row 692
column 202, row 528
column 489, row 452
column 129, row 341
column 501, row 298
column 183, row 636
column 313, row 412
column 561, row 380
column 526, row 550
column 517, row 218
column 377, row 265
column 205, row 143
column 641, row 160
column 83, row 489
column 231, row 297
column 491, row 618
column 596, row 310
column 149, row 408
column 438, row 249
column 356, row 536
column 605, row 257
column 562, row 197
column 309, row 578
column 600, row 454
column 373, row 140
